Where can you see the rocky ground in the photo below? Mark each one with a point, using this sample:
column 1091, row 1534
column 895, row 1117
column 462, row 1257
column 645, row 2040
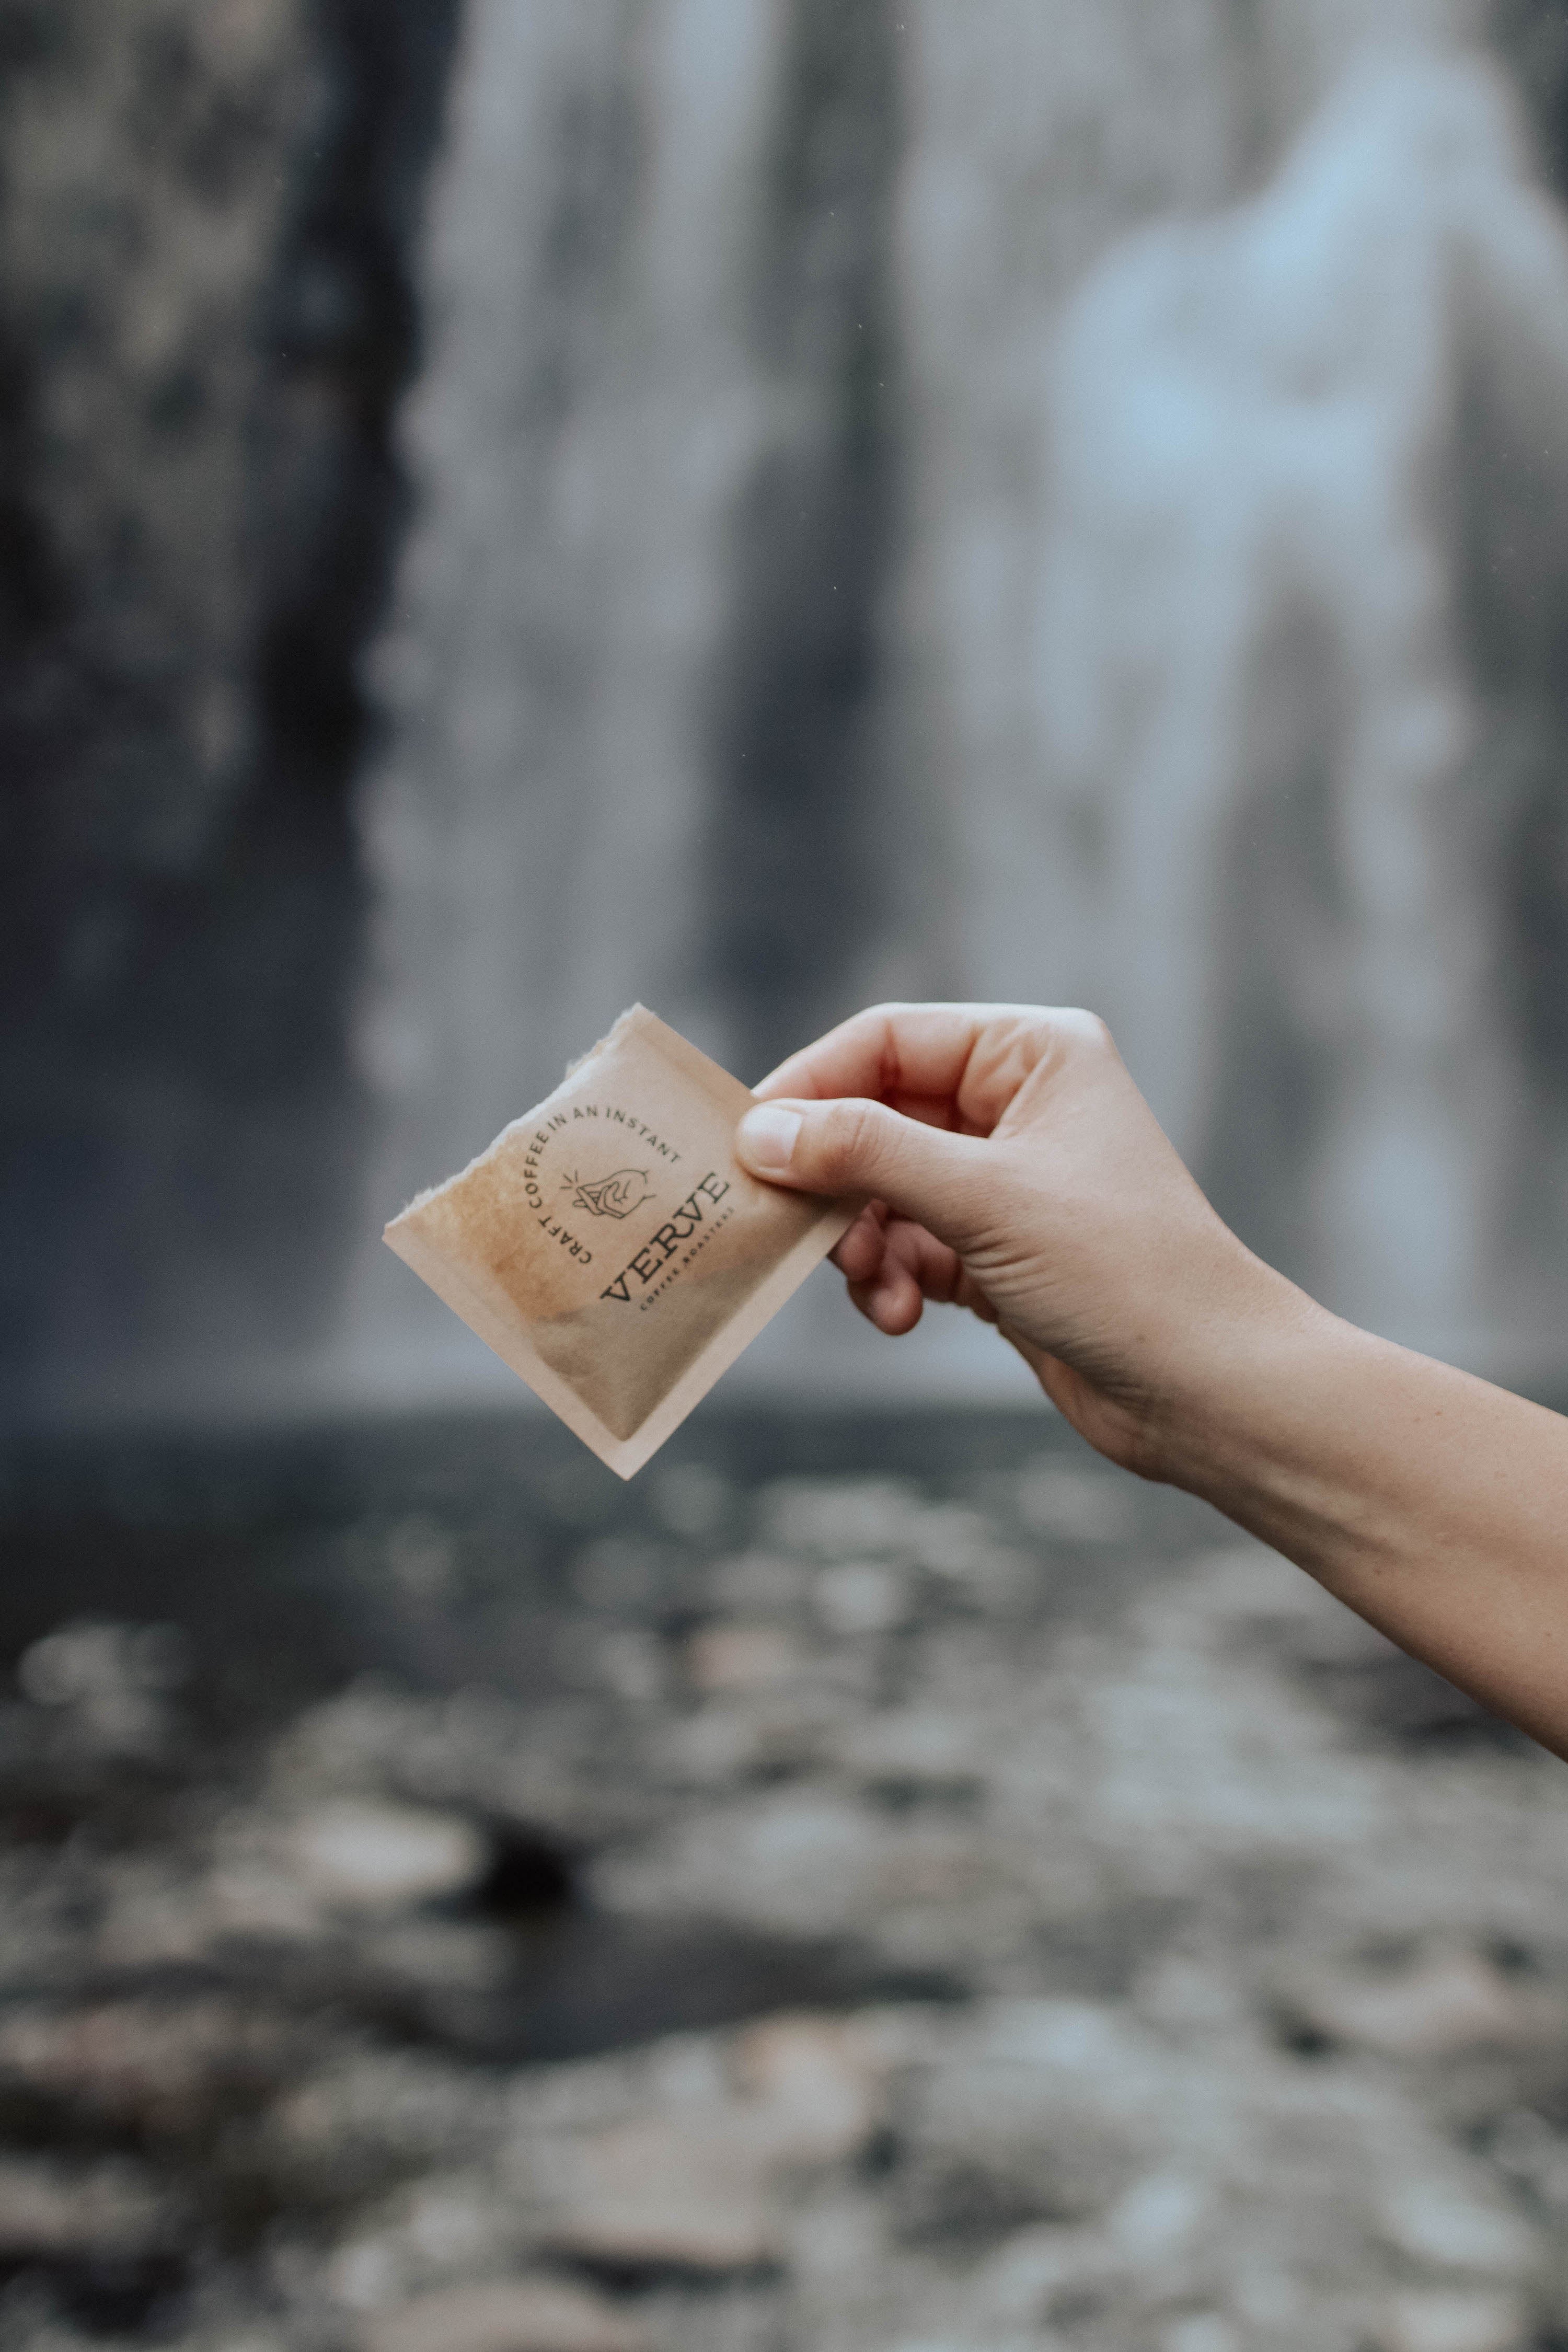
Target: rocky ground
column 878, row 1889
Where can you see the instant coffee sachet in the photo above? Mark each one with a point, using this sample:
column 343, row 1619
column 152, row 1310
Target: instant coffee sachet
column 610, row 1247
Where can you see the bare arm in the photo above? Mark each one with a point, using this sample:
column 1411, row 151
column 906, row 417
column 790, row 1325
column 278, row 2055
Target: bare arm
column 1017, row 1171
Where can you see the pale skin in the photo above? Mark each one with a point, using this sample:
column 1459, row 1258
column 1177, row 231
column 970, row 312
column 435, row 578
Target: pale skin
column 1013, row 1169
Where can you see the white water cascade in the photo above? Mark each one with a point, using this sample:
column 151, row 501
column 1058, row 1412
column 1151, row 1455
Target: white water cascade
column 1045, row 498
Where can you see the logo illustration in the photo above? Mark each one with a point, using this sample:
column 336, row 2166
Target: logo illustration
column 609, row 1196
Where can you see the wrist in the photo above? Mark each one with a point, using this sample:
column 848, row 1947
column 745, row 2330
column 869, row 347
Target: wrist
column 1222, row 1422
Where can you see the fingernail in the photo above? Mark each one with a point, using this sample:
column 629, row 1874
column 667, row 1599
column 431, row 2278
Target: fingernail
column 767, row 1137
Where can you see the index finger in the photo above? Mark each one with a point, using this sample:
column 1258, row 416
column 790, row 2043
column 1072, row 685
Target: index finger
column 952, row 1065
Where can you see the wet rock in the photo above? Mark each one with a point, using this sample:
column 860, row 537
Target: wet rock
column 803, row 1863
column 54, row 2212
column 692, row 1499
column 158, row 2068
column 110, row 1682
column 1526, row 2149
column 741, row 1657
column 695, row 2187
column 1157, row 2217
column 1449, row 2225
column 686, row 2194
column 1019, row 2126
column 442, row 2230
column 379, row 1856
column 1454, row 2323
column 861, row 1596
column 1446, row 2002
column 633, row 1664
column 842, row 1517
column 370, row 2119
column 507, row 2316
column 1201, row 2331
column 813, row 2085
column 1073, row 1504
column 915, row 1752
column 476, row 1754
column 761, row 1584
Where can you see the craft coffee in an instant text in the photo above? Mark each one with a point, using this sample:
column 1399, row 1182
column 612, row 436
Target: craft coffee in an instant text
column 610, row 1247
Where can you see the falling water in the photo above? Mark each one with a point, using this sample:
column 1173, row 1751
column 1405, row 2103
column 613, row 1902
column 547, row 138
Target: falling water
column 1035, row 500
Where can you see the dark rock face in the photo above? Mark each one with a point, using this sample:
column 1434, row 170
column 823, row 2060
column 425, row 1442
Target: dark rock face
column 204, row 319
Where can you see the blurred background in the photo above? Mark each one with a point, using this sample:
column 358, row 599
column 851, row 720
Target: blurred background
column 759, row 507
column 509, row 507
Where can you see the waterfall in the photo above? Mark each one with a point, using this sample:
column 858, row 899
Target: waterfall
column 932, row 500
column 1261, row 667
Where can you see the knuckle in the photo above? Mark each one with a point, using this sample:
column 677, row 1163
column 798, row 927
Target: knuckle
column 1087, row 1032
column 850, row 1141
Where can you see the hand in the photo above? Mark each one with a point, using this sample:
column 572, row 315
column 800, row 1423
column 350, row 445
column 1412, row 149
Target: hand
column 1015, row 1169
column 1013, row 1166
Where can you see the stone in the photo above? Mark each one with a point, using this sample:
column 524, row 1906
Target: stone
column 841, row 1517
column 1446, row 2002
column 861, row 1596
column 923, row 1751
column 54, row 2212
column 1201, row 2331
column 111, row 1681
column 691, row 1499
column 376, row 1856
column 686, row 2193
column 157, row 2066
column 507, row 2316
column 741, row 1657
column 373, row 2117
column 812, row 2088
column 1448, row 2226
column 1156, row 2217
column 1073, row 1505
column 1454, row 2323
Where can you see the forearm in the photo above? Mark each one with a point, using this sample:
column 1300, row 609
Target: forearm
column 1432, row 1503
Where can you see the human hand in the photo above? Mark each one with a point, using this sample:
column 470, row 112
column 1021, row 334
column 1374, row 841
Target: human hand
column 1014, row 1168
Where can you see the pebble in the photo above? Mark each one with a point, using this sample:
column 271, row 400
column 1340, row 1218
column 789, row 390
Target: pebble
column 1454, row 2323
column 1447, row 2002
column 1436, row 2223
column 741, row 1657
column 379, row 1856
column 1058, row 1499
column 59, row 2213
column 1201, row 2331
column 507, row 2316
column 157, row 2066
column 861, row 1596
column 693, row 2187
column 924, row 1751
column 842, row 1517
column 685, row 2193
column 811, row 2086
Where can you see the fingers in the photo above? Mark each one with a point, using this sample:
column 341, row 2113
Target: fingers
column 859, row 1254
column 938, row 1180
column 911, row 1266
column 947, row 1065
column 892, row 1267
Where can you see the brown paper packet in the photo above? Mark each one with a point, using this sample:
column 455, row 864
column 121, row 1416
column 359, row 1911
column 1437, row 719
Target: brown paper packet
column 610, row 1247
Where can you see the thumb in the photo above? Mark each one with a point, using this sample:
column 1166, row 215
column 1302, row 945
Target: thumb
column 852, row 1146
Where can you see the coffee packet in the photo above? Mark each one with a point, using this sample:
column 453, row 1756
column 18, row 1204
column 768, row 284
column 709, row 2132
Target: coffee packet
column 610, row 1247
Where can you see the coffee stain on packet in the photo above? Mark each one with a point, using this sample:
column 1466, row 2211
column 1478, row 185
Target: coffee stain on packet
column 610, row 1247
